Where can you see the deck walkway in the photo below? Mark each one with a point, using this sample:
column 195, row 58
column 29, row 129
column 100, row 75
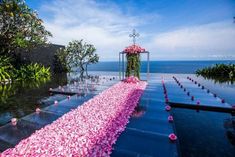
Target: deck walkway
column 147, row 133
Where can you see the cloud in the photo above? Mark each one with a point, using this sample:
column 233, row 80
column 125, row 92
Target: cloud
column 102, row 24
column 214, row 40
column 107, row 27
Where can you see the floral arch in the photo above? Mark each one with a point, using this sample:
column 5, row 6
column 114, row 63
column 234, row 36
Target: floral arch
column 133, row 62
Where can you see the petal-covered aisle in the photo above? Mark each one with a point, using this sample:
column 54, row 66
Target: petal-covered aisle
column 89, row 130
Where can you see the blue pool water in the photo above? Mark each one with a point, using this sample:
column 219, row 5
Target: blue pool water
column 204, row 133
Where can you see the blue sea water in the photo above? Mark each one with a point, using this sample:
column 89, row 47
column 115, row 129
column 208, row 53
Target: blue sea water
column 180, row 67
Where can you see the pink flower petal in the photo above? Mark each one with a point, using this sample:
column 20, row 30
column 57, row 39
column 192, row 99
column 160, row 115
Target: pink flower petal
column 89, row 130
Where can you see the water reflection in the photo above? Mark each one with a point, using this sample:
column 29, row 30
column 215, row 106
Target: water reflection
column 219, row 79
column 139, row 111
column 229, row 125
column 224, row 90
column 20, row 98
column 204, row 133
column 7, row 90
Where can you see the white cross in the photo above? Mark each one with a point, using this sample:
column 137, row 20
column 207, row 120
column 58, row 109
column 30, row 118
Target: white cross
column 134, row 35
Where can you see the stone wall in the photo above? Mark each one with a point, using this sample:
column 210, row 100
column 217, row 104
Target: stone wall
column 42, row 54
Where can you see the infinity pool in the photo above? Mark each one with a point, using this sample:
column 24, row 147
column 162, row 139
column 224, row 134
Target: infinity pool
column 200, row 133
column 21, row 98
column 207, row 133
column 204, row 133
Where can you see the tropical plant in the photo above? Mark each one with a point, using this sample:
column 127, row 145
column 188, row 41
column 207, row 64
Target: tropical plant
column 60, row 61
column 26, row 72
column 4, row 75
column 33, row 72
column 133, row 60
column 133, row 65
column 77, row 55
column 20, row 27
column 6, row 69
column 218, row 71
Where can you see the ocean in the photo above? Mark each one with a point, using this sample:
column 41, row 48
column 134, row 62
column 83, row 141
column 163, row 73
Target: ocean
column 179, row 67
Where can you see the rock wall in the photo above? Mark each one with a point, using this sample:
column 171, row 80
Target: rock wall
column 44, row 55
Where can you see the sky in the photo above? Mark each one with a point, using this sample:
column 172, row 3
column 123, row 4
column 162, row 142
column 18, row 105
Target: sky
column 169, row 29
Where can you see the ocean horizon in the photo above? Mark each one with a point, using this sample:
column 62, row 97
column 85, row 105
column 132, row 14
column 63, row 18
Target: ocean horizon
column 179, row 67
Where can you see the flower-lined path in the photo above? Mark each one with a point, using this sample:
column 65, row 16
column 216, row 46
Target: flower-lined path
column 89, row 130
column 11, row 135
column 147, row 133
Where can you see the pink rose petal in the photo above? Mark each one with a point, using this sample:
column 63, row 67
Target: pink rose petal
column 89, row 130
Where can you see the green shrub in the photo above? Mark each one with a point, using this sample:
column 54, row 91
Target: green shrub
column 223, row 71
column 26, row 72
column 133, row 65
column 33, row 72
column 6, row 69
